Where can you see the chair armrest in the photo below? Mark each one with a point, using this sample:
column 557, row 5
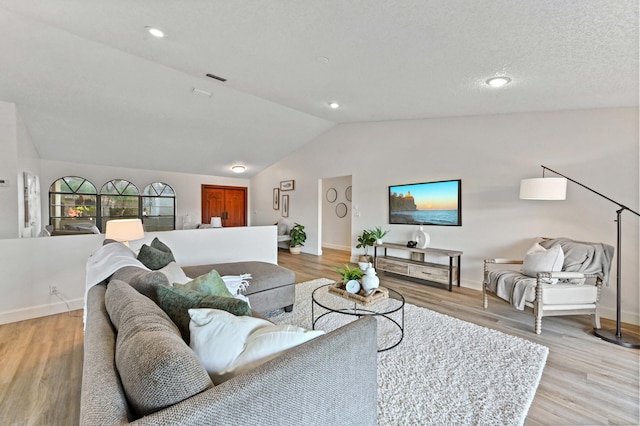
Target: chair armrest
column 504, row 261
column 565, row 275
column 322, row 373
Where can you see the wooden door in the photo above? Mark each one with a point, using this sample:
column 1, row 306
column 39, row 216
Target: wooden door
column 227, row 202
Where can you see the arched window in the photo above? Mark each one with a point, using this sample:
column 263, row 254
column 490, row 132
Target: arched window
column 119, row 199
column 72, row 205
column 158, row 207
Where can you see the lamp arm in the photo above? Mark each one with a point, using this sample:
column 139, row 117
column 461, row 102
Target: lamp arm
column 622, row 206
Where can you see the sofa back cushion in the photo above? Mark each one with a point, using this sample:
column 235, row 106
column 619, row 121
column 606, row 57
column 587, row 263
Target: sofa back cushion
column 156, row 367
column 146, row 282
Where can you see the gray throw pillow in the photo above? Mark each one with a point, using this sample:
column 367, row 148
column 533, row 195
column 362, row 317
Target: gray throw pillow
column 154, row 258
column 147, row 283
column 176, row 302
column 156, row 367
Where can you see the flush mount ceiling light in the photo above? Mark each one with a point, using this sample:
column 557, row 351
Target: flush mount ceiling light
column 201, row 92
column 498, row 81
column 238, row 169
column 154, row 32
column 334, row 105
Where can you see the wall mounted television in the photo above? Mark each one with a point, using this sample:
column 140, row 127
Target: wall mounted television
column 426, row 203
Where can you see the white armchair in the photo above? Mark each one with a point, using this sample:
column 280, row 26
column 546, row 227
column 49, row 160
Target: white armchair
column 572, row 289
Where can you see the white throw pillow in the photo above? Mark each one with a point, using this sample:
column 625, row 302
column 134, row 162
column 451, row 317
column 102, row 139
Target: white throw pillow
column 175, row 274
column 539, row 259
column 228, row 345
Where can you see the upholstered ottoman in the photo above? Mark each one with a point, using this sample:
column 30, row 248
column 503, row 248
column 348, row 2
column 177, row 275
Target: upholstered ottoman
column 271, row 286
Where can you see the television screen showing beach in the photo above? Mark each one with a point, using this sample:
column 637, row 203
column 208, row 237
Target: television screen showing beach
column 432, row 203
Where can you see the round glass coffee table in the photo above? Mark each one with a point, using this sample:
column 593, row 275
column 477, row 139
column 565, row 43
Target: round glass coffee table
column 389, row 312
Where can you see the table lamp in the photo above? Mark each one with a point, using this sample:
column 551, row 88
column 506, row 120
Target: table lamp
column 124, row 230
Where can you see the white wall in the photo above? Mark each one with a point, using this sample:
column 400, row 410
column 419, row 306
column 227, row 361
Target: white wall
column 491, row 154
column 8, row 171
column 30, row 265
column 186, row 186
column 336, row 231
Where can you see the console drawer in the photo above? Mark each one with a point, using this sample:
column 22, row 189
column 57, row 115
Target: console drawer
column 390, row 265
column 435, row 273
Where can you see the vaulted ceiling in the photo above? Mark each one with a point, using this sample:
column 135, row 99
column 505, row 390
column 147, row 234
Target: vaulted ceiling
column 93, row 86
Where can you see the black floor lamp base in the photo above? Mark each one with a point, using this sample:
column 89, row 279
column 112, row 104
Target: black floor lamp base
column 610, row 336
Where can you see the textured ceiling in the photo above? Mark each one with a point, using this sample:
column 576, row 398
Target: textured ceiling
column 92, row 86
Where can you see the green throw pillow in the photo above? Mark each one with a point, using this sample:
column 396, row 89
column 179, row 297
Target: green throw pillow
column 210, row 284
column 157, row 244
column 154, row 258
column 176, row 302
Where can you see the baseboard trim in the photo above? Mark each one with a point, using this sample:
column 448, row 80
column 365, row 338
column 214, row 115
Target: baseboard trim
column 39, row 311
column 336, row 247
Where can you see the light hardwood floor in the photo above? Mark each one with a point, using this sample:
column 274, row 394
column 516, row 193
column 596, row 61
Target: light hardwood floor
column 586, row 381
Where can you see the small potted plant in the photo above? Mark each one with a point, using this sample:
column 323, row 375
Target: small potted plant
column 350, row 278
column 298, row 237
column 365, row 240
column 379, row 234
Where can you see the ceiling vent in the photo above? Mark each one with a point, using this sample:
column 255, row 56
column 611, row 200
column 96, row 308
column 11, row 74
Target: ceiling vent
column 215, row 77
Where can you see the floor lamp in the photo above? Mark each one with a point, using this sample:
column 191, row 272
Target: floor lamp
column 556, row 189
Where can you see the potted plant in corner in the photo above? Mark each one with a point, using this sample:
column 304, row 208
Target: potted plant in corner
column 365, row 240
column 379, row 234
column 298, row 237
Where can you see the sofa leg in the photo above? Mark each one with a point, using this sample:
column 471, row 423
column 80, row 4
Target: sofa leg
column 288, row 308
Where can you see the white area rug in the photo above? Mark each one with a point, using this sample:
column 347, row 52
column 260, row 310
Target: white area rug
column 445, row 371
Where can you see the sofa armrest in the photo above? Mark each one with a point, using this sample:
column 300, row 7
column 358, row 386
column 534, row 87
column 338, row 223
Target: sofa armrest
column 331, row 379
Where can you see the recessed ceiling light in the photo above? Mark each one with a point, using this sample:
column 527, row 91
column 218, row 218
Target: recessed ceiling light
column 155, row 32
column 334, row 105
column 238, row 169
column 498, row 81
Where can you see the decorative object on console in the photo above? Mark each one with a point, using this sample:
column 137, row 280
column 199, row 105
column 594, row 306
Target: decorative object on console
column 298, row 237
column 287, row 185
column 421, row 238
column 216, row 222
column 124, row 230
column 553, row 189
column 378, row 234
column 428, row 203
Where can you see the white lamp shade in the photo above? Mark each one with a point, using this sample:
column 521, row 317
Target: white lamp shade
column 124, row 230
column 216, row 222
column 543, row 189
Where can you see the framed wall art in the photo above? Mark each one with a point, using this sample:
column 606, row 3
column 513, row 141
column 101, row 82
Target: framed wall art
column 287, row 185
column 276, row 198
column 285, row 206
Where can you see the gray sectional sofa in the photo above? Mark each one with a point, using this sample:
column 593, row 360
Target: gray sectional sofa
column 138, row 370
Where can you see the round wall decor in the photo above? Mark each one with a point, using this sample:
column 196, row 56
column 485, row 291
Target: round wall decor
column 332, row 195
column 347, row 193
column 341, row 210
